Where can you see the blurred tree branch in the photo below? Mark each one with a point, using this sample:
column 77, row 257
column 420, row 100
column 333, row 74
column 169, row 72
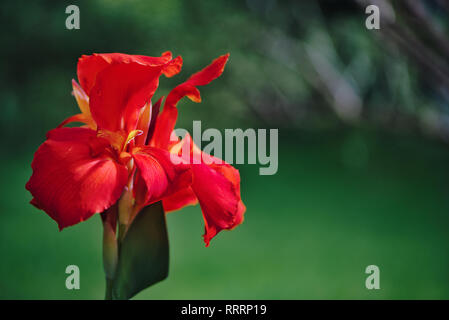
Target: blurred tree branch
column 411, row 28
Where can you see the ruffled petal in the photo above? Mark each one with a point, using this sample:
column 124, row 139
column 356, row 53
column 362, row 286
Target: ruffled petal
column 70, row 181
column 120, row 92
column 87, row 70
column 219, row 199
column 90, row 66
column 180, row 199
column 167, row 119
column 216, row 184
column 160, row 175
column 173, row 67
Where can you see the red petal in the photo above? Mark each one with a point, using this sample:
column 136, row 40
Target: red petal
column 75, row 118
column 211, row 72
column 217, row 187
column 81, row 98
column 143, row 124
column 173, row 67
column 113, row 58
column 219, row 199
column 146, row 122
column 180, row 199
column 163, row 127
column 90, row 66
column 120, row 92
column 162, row 178
column 154, row 115
column 167, row 119
column 68, row 182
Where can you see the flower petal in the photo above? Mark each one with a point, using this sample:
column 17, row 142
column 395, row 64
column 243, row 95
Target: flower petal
column 219, row 199
column 173, row 67
column 90, row 66
column 160, row 176
column 167, row 119
column 217, row 187
column 144, row 123
column 83, row 103
column 81, row 98
column 180, row 199
column 68, row 182
column 120, row 92
column 147, row 120
column 75, row 118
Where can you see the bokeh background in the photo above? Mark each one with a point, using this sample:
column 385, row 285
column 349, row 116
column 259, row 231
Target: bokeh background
column 363, row 118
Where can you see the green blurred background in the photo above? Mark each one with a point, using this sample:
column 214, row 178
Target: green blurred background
column 363, row 118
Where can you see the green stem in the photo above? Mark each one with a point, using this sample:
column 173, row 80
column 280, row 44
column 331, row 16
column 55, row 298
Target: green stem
column 108, row 295
column 122, row 228
column 112, row 239
column 110, row 249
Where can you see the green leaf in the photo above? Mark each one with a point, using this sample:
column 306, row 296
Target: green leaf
column 143, row 255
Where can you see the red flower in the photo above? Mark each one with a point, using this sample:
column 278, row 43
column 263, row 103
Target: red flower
column 123, row 150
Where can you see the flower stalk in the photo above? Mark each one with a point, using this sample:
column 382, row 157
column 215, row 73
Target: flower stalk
column 110, row 248
column 113, row 238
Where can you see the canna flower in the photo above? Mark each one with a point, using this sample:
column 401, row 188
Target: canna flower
column 122, row 155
